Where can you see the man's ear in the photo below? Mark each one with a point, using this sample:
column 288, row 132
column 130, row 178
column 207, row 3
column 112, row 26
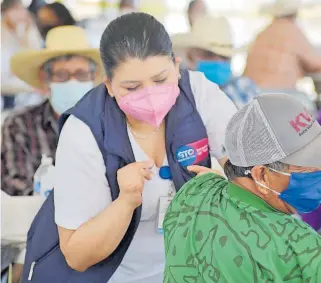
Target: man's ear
column 260, row 176
column 45, row 89
column 42, row 76
column 107, row 83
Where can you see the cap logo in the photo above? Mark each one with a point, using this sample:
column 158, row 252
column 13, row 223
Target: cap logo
column 302, row 122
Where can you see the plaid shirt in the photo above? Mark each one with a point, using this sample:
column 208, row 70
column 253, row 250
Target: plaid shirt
column 241, row 90
column 26, row 135
column 281, row 55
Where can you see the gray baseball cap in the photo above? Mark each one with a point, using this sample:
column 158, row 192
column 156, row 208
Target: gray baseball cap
column 274, row 127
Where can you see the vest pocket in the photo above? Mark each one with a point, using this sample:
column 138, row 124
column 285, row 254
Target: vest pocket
column 48, row 265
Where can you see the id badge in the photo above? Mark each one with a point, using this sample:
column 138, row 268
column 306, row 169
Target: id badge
column 164, row 203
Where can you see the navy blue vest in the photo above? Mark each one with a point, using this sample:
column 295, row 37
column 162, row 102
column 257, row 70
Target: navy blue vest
column 44, row 261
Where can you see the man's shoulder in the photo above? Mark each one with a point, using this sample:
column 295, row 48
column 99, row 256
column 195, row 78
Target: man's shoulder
column 200, row 187
column 198, row 194
column 21, row 116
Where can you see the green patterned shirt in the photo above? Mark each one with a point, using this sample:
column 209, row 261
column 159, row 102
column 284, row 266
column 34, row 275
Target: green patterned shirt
column 216, row 231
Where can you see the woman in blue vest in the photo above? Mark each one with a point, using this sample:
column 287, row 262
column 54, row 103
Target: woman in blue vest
column 124, row 151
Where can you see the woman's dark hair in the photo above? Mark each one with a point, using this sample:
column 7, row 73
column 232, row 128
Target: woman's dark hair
column 135, row 35
column 7, row 4
column 65, row 17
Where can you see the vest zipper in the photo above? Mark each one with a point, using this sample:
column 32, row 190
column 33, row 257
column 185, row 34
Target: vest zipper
column 31, row 270
column 33, row 264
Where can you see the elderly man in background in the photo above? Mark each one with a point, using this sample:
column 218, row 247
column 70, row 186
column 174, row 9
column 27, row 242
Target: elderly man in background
column 242, row 230
column 67, row 68
column 281, row 54
column 18, row 32
column 209, row 49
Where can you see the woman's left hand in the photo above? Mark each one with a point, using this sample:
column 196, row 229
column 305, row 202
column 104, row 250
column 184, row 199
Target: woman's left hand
column 200, row 170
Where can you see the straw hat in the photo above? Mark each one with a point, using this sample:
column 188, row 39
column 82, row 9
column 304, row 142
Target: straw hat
column 281, row 8
column 208, row 33
column 60, row 41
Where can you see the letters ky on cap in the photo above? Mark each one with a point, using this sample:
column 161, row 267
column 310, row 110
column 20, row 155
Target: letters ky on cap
column 274, row 127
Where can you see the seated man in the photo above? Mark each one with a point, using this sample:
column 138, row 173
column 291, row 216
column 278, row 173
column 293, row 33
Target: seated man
column 242, row 230
column 209, row 49
column 67, row 68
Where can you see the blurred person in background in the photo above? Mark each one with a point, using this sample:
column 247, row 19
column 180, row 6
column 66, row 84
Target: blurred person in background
column 127, row 6
column 281, row 54
column 35, row 5
column 196, row 9
column 313, row 218
column 243, row 230
column 67, row 68
column 96, row 26
column 53, row 15
column 209, row 49
column 18, row 32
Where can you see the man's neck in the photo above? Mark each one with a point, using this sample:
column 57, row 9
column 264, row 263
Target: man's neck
column 250, row 186
column 246, row 184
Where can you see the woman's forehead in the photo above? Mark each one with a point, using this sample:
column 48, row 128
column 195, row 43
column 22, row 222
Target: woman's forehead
column 134, row 69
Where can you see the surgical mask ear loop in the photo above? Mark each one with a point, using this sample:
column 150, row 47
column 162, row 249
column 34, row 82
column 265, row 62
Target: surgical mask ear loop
column 248, row 173
column 266, row 187
column 283, row 173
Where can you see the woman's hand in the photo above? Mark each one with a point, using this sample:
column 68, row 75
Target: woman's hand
column 131, row 180
column 200, row 170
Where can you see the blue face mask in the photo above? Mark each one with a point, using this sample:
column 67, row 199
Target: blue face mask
column 65, row 95
column 216, row 71
column 303, row 192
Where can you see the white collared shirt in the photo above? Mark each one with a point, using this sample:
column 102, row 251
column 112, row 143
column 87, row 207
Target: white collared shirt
column 82, row 191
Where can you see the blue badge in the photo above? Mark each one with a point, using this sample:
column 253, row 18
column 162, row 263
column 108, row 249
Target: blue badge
column 165, row 173
column 186, row 155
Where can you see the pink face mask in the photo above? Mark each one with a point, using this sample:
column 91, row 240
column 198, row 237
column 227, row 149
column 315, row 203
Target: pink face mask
column 150, row 104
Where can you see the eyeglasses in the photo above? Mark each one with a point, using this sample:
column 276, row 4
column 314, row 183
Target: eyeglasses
column 64, row 76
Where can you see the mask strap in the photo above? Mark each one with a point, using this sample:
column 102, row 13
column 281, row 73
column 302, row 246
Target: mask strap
column 283, row 173
column 266, row 187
